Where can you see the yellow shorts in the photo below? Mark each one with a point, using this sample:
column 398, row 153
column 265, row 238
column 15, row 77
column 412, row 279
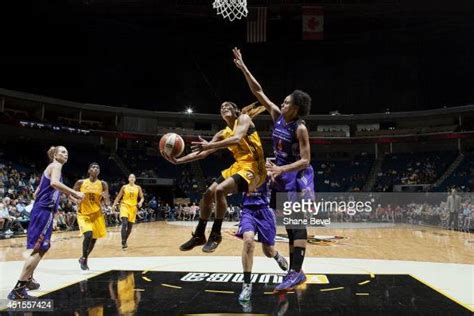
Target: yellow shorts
column 94, row 222
column 253, row 172
column 128, row 211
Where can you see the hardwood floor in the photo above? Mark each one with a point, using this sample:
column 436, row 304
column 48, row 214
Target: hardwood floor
column 403, row 242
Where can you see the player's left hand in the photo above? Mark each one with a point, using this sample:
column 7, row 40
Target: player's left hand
column 273, row 170
column 170, row 159
column 199, row 146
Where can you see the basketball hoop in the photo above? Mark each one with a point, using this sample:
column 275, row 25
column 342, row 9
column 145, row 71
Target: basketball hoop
column 231, row 9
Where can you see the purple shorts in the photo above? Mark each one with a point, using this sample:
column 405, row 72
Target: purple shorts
column 40, row 229
column 298, row 184
column 261, row 221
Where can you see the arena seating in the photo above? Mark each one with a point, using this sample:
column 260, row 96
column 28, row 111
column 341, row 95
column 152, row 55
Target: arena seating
column 413, row 168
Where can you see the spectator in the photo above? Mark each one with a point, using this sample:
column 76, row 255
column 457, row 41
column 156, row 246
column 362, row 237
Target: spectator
column 187, row 212
column 153, row 207
column 453, row 204
column 166, row 211
column 193, row 211
column 69, row 212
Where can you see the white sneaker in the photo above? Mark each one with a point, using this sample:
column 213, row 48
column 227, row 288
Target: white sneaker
column 9, row 232
column 246, row 293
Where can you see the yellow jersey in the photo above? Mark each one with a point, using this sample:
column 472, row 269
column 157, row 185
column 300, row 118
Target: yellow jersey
column 93, row 195
column 249, row 148
column 249, row 159
column 130, row 195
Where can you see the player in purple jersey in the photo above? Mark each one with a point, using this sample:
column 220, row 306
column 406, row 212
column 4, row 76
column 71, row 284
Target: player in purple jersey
column 41, row 221
column 257, row 218
column 291, row 172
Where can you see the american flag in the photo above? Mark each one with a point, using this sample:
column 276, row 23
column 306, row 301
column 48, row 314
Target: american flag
column 257, row 25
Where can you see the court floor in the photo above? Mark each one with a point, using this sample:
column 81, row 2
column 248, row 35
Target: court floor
column 357, row 269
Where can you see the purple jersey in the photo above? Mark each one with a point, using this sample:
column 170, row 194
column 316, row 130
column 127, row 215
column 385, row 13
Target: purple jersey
column 285, row 144
column 42, row 214
column 47, row 197
column 260, row 197
column 287, row 150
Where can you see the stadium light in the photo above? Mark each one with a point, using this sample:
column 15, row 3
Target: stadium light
column 189, row 111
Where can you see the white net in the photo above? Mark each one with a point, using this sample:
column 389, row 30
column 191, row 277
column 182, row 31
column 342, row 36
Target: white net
column 231, row 9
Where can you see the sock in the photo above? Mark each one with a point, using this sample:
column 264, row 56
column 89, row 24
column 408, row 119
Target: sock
column 20, row 284
column 201, row 227
column 216, row 227
column 247, row 277
column 298, row 257
column 124, row 230
column 129, row 229
column 91, row 246
column 86, row 244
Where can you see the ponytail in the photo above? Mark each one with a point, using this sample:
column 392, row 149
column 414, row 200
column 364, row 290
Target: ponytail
column 51, row 152
column 253, row 110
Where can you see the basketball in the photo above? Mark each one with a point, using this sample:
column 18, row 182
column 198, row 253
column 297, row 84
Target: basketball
column 172, row 145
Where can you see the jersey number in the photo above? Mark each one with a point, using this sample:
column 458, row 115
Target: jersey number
column 91, row 198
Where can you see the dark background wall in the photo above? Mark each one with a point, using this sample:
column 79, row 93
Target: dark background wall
column 169, row 56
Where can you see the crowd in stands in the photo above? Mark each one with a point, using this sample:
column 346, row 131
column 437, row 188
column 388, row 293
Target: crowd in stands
column 19, row 180
column 347, row 175
column 187, row 182
column 16, row 193
column 462, row 177
column 412, row 168
column 433, row 214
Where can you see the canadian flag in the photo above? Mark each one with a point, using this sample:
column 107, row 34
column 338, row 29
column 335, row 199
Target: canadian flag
column 313, row 23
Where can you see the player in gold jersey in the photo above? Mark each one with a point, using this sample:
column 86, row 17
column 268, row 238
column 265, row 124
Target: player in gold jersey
column 89, row 213
column 245, row 175
column 129, row 195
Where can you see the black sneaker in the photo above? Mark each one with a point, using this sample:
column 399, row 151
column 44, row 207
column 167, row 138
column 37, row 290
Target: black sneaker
column 212, row 243
column 83, row 263
column 124, row 245
column 193, row 242
column 32, row 284
column 19, row 294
